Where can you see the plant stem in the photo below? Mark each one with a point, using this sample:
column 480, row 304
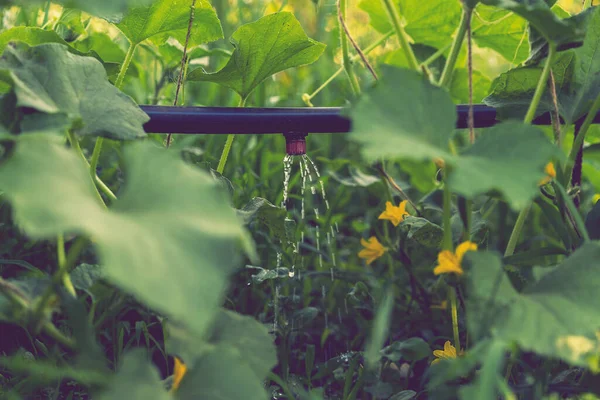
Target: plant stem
column 96, row 156
column 125, row 65
column 228, row 144
column 541, row 86
column 62, row 264
column 448, row 71
column 539, row 91
column 275, row 378
column 581, row 137
column 42, row 304
column 516, row 232
column 587, row 4
column 447, row 224
column 577, row 220
column 47, row 12
column 308, row 97
column 100, row 140
column 183, row 61
column 347, row 61
column 394, row 18
column 52, row 331
column 75, row 145
column 454, row 312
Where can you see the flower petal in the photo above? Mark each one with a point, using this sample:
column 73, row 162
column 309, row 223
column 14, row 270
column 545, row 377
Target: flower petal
column 178, row 373
column 463, row 248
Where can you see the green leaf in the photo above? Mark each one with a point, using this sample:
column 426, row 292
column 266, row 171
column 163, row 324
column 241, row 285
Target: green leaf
column 109, row 9
column 512, row 92
column 577, row 76
column 423, row 232
column 508, row 158
column 413, row 349
column 84, row 276
column 555, row 317
column 269, row 45
column 404, row 395
column 485, row 384
column 379, row 330
column 541, row 17
column 47, row 371
column 576, row 99
column 171, row 239
column 136, row 379
column 265, row 213
column 244, row 334
column 170, row 18
column 50, row 79
column 501, row 31
column 394, row 118
column 459, row 89
column 30, row 35
column 432, row 22
column 220, row 374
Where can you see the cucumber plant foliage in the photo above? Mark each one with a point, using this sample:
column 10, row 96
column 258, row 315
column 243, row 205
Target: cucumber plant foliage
column 164, row 234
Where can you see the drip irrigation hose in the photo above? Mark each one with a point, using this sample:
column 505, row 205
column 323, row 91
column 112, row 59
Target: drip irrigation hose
column 309, row 120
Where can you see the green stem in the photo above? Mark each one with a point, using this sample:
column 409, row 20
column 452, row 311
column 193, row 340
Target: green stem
column 394, row 18
column 469, row 222
column 347, row 61
column 42, row 304
column 308, row 97
column 435, row 56
column 47, row 12
column 516, row 232
column 228, row 144
column 52, row 331
column 14, row 294
column 448, row 71
column 96, row 156
column 578, row 221
column 75, row 145
column 125, row 65
column 537, row 96
column 541, row 86
column 100, row 140
column 286, row 389
column 447, row 216
column 581, row 137
column 62, row 264
column 587, row 4
column 454, row 312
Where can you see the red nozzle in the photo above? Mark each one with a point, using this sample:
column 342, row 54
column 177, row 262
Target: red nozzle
column 295, row 143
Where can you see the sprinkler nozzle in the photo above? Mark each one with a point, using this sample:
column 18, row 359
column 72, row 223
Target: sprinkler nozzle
column 295, row 143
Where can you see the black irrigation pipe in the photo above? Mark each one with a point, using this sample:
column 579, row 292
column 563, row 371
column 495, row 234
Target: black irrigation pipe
column 224, row 120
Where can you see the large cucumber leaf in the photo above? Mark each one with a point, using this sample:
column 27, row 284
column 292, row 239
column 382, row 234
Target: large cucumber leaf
column 50, row 79
column 262, row 48
column 171, row 239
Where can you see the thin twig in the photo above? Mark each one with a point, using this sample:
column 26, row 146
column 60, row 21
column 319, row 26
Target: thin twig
column 555, row 112
column 395, row 186
column 471, row 116
column 183, row 61
column 354, row 44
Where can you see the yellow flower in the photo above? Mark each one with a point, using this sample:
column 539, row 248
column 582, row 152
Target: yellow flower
column 550, row 174
column 393, row 213
column 178, row 373
column 449, row 262
column 448, row 353
column 372, row 249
